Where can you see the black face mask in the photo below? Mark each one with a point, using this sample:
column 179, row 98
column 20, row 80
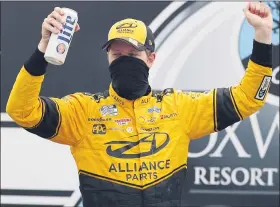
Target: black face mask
column 130, row 77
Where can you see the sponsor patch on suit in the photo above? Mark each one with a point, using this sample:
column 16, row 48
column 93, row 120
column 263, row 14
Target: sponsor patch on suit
column 263, row 89
column 109, row 110
column 154, row 109
column 99, row 129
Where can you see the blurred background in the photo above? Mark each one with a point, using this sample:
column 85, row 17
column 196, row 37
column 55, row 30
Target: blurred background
column 200, row 45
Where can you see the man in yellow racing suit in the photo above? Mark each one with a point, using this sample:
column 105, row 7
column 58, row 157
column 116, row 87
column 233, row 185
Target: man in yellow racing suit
column 129, row 143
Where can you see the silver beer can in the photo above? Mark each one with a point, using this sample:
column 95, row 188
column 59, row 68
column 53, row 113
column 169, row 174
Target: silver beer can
column 59, row 44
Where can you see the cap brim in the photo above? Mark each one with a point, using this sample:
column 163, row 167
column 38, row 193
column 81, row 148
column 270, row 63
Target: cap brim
column 130, row 41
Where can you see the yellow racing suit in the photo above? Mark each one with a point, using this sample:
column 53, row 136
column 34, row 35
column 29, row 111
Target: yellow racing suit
column 134, row 153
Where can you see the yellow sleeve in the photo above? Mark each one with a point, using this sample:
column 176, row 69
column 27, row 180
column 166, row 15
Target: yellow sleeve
column 197, row 112
column 59, row 120
column 204, row 113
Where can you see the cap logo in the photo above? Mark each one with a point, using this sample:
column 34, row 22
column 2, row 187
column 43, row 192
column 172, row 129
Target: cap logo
column 126, row 25
column 126, row 28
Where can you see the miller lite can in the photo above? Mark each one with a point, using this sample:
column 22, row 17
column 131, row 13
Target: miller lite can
column 58, row 44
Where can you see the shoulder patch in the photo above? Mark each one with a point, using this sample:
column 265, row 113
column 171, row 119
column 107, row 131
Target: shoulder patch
column 157, row 95
column 87, row 94
column 160, row 94
column 195, row 94
column 98, row 96
column 168, row 91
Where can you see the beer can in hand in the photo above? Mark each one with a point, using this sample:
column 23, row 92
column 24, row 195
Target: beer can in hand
column 59, row 44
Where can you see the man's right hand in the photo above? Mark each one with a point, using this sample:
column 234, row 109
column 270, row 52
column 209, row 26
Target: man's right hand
column 52, row 24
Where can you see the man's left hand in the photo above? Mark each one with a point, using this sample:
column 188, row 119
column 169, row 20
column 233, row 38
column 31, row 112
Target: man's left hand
column 259, row 16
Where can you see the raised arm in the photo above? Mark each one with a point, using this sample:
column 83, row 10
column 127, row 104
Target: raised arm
column 59, row 120
column 204, row 113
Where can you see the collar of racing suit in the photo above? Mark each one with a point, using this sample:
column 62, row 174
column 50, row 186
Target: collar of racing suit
column 142, row 101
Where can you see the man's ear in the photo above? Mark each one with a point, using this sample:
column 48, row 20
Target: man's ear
column 151, row 59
